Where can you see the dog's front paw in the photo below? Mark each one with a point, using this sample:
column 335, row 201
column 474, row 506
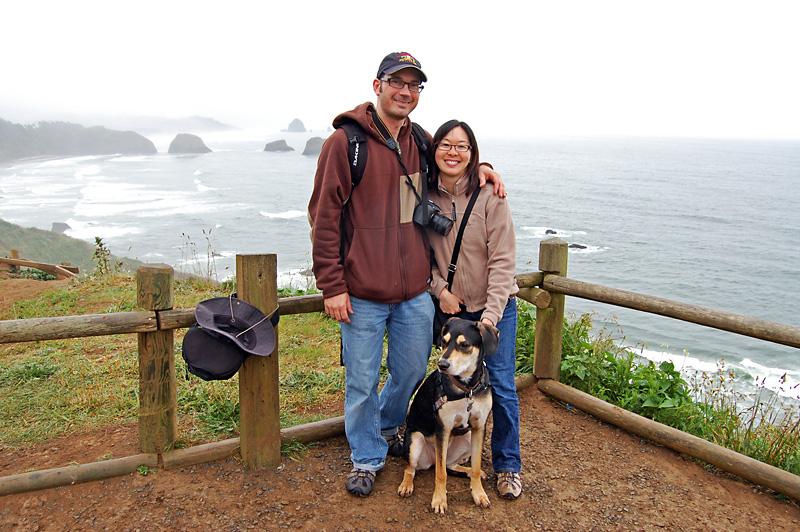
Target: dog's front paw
column 405, row 489
column 439, row 504
column 480, row 498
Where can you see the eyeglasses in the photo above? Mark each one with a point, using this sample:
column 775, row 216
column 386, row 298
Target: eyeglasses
column 443, row 146
column 397, row 83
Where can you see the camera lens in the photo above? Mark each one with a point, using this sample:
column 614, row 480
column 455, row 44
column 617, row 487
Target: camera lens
column 440, row 224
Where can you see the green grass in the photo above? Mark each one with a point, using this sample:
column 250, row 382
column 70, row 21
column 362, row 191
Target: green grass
column 60, row 387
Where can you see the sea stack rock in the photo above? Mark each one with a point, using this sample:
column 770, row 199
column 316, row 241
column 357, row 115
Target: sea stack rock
column 187, row 143
column 313, row 146
column 296, row 126
column 278, row 145
column 60, row 227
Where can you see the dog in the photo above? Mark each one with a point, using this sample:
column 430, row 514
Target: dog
column 446, row 422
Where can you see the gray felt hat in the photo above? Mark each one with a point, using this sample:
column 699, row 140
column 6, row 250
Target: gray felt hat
column 239, row 321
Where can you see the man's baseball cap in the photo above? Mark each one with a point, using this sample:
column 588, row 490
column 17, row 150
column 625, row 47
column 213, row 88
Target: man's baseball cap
column 398, row 61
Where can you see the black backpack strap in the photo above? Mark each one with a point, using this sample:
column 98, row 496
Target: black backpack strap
column 421, row 138
column 356, row 150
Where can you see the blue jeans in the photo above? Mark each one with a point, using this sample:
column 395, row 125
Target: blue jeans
column 505, row 403
column 366, row 412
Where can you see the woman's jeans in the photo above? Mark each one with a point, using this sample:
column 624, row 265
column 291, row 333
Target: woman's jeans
column 409, row 326
column 505, row 403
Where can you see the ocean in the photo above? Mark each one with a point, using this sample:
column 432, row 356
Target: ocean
column 709, row 222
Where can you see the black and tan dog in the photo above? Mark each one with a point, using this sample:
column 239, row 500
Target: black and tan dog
column 447, row 419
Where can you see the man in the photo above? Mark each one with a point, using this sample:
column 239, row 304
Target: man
column 372, row 263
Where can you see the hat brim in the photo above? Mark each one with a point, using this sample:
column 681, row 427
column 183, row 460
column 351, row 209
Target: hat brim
column 211, row 356
column 238, row 320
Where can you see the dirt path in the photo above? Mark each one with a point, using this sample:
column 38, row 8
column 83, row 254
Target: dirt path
column 578, row 474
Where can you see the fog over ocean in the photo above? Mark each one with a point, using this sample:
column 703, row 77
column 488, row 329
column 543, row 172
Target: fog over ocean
column 704, row 221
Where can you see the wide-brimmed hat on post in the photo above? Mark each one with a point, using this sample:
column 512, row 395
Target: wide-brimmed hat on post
column 228, row 330
column 238, row 320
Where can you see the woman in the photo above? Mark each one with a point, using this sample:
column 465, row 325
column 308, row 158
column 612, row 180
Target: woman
column 484, row 287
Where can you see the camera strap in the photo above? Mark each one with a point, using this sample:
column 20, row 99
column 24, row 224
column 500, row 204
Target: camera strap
column 422, row 145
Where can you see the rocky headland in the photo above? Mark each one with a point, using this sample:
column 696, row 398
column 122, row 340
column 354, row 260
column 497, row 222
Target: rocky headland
column 60, row 139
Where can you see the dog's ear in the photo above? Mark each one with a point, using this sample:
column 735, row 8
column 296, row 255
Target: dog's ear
column 490, row 337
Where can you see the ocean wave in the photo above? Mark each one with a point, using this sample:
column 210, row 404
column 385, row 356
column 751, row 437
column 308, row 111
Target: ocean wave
column 201, row 187
column 67, row 161
column 88, row 230
column 91, row 170
column 131, row 159
column 284, row 214
column 585, row 249
column 785, row 383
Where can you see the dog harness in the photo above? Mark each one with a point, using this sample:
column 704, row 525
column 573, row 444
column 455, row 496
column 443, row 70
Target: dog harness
column 478, row 387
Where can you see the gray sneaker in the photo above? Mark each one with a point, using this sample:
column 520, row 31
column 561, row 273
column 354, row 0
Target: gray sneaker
column 360, row 482
column 395, row 442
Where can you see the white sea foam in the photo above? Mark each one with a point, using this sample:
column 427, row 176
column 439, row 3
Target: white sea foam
column 588, row 249
column 91, row 170
column 785, row 383
column 201, row 187
column 88, row 230
column 103, row 199
column 197, row 172
column 66, row 162
column 132, row 159
column 682, row 361
column 285, row 214
column 542, row 232
column 302, row 278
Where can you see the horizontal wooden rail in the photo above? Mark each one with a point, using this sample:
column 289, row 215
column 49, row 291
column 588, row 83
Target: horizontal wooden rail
column 726, row 321
column 726, row 459
column 55, row 328
column 56, row 270
column 65, row 476
column 529, row 280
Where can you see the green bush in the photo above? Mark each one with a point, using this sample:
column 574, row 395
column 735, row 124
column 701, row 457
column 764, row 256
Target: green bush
column 761, row 426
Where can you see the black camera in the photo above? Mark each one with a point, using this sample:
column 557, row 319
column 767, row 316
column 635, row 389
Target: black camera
column 436, row 221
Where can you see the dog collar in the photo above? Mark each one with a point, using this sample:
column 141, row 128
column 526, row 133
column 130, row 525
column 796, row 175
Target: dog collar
column 479, row 386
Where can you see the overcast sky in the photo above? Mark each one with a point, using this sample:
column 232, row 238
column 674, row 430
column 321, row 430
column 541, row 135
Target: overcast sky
column 675, row 68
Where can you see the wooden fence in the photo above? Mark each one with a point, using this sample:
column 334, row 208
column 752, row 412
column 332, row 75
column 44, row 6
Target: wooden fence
column 260, row 433
column 59, row 271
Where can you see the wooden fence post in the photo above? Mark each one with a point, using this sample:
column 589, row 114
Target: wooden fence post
column 158, row 401
column 14, row 255
column 259, row 401
column 550, row 321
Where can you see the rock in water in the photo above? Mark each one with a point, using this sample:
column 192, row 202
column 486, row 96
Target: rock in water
column 187, row 143
column 313, row 146
column 278, row 145
column 296, row 126
column 60, row 227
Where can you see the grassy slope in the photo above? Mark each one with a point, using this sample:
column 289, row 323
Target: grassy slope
column 52, row 248
column 58, row 387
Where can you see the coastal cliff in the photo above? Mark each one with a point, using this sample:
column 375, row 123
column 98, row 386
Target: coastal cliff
column 61, row 139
